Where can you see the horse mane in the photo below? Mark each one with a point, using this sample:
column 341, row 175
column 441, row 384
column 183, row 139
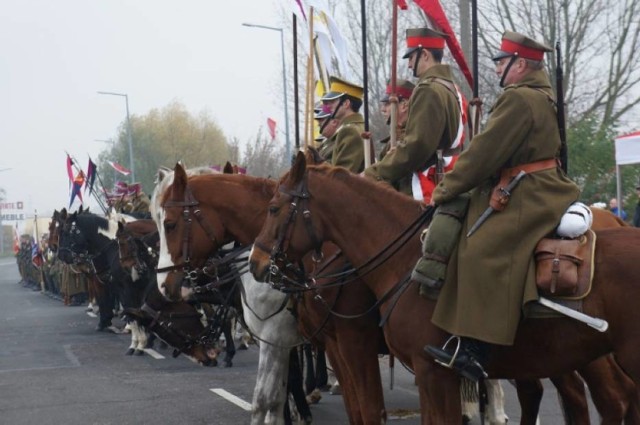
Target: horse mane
column 383, row 190
column 93, row 223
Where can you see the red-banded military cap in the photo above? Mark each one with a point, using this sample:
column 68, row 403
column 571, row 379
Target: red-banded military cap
column 425, row 38
column 339, row 87
column 515, row 44
column 404, row 88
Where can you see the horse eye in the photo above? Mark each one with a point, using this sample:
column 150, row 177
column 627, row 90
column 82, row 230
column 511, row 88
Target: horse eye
column 273, row 209
column 169, row 226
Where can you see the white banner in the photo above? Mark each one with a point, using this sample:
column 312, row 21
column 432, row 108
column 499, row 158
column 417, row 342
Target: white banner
column 628, row 149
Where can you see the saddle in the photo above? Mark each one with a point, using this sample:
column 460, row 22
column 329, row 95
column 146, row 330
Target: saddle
column 564, row 267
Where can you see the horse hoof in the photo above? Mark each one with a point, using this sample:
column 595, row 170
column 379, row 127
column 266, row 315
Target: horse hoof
column 129, row 352
column 138, row 353
column 243, row 347
column 228, row 363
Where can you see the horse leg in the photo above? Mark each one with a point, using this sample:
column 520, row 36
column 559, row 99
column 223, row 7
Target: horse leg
column 439, row 390
column 495, row 408
column 230, row 349
column 358, row 348
column 349, row 389
column 270, row 393
column 573, row 398
column 106, row 302
column 294, row 387
column 310, row 379
column 612, row 392
column 322, row 378
column 529, row 395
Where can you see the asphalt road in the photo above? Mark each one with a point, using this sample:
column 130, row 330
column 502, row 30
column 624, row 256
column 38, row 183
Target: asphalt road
column 55, row 369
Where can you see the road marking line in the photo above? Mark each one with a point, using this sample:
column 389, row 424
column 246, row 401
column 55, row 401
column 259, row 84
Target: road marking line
column 153, row 353
column 232, row 398
column 72, row 357
column 91, row 314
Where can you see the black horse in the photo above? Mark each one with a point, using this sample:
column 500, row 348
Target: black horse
column 139, row 257
column 82, row 244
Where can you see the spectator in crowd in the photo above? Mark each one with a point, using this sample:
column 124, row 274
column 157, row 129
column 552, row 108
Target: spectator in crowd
column 636, row 215
column 613, row 206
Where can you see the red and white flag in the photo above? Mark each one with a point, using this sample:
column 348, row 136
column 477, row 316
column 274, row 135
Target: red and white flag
column 119, row 168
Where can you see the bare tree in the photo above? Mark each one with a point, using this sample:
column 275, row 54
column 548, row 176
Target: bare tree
column 600, row 40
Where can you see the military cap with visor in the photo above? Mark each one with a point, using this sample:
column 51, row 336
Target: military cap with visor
column 339, row 87
column 424, row 38
column 404, row 88
column 516, row 44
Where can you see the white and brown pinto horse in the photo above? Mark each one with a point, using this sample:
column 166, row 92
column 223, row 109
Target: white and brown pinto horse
column 263, row 310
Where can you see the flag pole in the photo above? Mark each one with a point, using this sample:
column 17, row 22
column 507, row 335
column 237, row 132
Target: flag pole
column 295, row 83
column 476, row 102
column 368, row 151
column 310, row 83
column 393, row 133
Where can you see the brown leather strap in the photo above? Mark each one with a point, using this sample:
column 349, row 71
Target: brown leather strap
column 531, row 167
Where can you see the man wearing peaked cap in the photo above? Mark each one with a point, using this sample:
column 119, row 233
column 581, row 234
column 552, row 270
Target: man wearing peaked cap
column 494, row 266
column 404, row 89
column 345, row 148
column 328, row 127
column 434, row 120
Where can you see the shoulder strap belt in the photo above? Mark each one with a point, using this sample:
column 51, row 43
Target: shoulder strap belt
column 531, row 167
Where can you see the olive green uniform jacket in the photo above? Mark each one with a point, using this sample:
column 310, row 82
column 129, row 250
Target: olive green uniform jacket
column 492, row 275
column 434, row 117
column 345, row 148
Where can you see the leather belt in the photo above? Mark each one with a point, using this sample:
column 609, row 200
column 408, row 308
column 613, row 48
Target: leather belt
column 531, row 167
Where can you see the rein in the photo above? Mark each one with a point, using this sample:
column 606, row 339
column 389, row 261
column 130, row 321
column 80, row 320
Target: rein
column 278, row 252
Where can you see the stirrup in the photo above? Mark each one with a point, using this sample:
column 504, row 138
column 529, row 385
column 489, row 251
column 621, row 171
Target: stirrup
column 454, row 355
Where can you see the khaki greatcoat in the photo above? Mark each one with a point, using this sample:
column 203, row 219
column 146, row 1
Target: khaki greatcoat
column 345, row 148
column 492, row 275
column 433, row 120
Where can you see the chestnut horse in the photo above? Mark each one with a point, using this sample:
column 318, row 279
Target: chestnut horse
column 336, row 203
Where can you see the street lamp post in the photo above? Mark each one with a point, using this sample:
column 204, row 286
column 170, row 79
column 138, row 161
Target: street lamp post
column 126, row 98
column 1, row 225
column 284, row 80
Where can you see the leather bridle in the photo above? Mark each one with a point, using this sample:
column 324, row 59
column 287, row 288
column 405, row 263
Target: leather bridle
column 278, row 253
column 188, row 205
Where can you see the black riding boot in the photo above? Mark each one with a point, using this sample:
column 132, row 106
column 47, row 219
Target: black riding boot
column 467, row 356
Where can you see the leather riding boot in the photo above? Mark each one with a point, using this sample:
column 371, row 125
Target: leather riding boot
column 467, row 356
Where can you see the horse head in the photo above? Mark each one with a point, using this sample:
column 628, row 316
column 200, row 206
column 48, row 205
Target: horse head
column 54, row 231
column 178, row 324
column 187, row 236
column 288, row 232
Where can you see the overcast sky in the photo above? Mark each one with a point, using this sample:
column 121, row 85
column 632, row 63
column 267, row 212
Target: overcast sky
column 55, row 56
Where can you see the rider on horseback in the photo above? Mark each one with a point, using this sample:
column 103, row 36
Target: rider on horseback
column 491, row 276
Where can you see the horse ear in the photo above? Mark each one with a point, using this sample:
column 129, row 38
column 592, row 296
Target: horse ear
column 120, row 226
column 228, row 168
column 179, row 182
column 299, row 167
column 312, row 156
column 63, row 214
column 80, row 209
column 162, row 173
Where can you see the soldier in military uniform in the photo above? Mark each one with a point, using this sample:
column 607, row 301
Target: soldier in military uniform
column 404, row 89
column 345, row 148
column 491, row 277
column 328, row 127
column 434, row 117
column 138, row 201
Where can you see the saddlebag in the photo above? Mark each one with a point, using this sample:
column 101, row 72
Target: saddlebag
column 563, row 266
